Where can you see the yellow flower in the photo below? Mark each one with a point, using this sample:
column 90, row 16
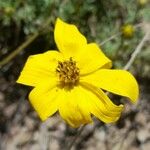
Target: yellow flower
column 142, row 2
column 9, row 10
column 128, row 31
column 71, row 80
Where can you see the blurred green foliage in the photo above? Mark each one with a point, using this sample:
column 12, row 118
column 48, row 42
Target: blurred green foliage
column 96, row 19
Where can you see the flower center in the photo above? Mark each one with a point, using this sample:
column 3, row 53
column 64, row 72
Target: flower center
column 68, row 73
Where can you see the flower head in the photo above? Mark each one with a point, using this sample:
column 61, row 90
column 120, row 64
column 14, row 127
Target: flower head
column 71, row 81
column 142, row 2
column 128, row 31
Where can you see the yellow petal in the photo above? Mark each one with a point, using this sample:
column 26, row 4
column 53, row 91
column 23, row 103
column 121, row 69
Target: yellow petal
column 116, row 81
column 103, row 97
column 73, row 107
column 68, row 38
column 44, row 98
column 99, row 104
column 91, row 58
column 78, row 103
column 39, row 67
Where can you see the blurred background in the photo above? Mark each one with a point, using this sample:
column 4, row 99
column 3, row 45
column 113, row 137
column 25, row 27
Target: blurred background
column 26, row 28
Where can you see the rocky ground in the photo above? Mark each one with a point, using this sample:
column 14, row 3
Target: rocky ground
column 21, row 129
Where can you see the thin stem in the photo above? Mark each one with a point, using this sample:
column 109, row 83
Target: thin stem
column 75, row 138
column 110, row 38
column 19, row 49
column 136, row 51
column 44, row 138
column 118, row 34
column 24, row 45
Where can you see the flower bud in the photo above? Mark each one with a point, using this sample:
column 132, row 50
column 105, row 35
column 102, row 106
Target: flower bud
column 128, row 31
column 142, row 2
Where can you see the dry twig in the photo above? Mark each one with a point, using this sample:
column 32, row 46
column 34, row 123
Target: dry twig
column 136, row 51
column 44, row 137
column 75, row 138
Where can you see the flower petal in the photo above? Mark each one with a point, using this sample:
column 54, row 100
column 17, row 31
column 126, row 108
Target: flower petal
column 90, row 58
column 118, row 82
column 73, row 107
column 44, row 98
column 78, row 103
column 100, row 105
column 103, row 97
column 39, row 67
column 68, row 38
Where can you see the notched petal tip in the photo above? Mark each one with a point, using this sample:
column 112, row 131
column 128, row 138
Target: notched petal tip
column 68, row 38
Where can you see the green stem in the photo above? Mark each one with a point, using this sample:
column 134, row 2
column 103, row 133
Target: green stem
column 24, row 45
